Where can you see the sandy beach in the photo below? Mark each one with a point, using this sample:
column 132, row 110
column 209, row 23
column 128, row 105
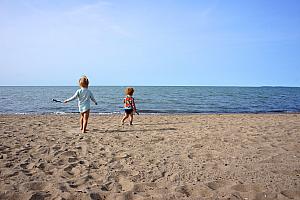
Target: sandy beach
column 228, row 156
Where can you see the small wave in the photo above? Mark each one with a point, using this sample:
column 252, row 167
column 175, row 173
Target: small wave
column 59, row 113
column 152, row 111
column 107, row 113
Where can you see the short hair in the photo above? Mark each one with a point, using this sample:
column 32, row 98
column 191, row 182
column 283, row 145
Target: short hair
column 84, row 82
column 129, row 91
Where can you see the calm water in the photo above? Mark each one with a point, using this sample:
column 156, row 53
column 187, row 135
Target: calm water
column 155, row 99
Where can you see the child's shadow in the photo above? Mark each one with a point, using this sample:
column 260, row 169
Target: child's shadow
column 166, row 123
column 133, row 130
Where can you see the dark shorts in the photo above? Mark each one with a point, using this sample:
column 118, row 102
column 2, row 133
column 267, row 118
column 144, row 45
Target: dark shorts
column 128, row 111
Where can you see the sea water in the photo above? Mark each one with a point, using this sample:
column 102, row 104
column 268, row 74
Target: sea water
column 153, row 100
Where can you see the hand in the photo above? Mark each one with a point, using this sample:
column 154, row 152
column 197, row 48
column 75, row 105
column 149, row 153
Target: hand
column 65, row 101
column 96, row 103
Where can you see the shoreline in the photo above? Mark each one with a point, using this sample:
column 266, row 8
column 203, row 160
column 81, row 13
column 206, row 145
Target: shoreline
column 227, row 156
column 150, row 114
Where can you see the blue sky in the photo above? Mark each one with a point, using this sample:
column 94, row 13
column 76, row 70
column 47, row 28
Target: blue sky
column 150, row 42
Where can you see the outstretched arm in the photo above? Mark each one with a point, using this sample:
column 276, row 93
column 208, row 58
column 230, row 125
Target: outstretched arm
column 72, row 98
column 93, row 99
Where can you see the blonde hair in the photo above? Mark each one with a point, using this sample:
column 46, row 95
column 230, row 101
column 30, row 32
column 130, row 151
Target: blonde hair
column 84, row 82
column 129, row 91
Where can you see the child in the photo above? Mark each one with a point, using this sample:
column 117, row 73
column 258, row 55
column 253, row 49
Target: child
column 129, row 105
column 83, row 95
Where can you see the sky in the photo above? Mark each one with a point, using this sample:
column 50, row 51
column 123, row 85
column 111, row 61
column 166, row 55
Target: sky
column 150, row 42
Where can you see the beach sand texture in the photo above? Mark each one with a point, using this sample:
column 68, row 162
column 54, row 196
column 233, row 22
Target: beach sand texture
column 228, row 156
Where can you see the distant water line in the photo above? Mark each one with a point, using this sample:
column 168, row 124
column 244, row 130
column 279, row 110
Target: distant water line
column 154, row 100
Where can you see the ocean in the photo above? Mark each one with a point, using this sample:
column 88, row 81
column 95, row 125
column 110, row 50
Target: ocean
column 153, row 100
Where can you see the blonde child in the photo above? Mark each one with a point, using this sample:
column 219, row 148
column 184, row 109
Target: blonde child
column 83, row 95
column 129, row 105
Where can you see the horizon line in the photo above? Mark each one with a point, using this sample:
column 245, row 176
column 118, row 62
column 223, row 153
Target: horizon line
column 150, row 86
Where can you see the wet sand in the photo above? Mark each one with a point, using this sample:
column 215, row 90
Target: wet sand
column 229, row 156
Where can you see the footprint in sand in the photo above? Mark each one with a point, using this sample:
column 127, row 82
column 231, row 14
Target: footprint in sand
column 111, row 186
column 55, row 148
column 82, row 147
column 13, row 195
column 291, row 194
column 143, row 187
column 70, row 167
column 26, row 172
column 265, row 196
column 106, row 186
column 39, row 196
column 121, row 155
column 183, row 190
column 197, row 146
column 57, row 152
column 35, row 186
column 72, row 159
column 97, row 196
column 63, row 187
column 215, row 185
column 60, row 162
column 126, row 184
column 121, row 196
column 79, row 183
column 240, row 188
column 245, row 188
column 24, row 165
column 235, row 196
column 69, row 154
column 7, row 173
column 156, row 139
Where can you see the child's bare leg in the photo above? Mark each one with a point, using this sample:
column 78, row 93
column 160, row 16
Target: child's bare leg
column 81, row 121
column 124, row 118
column 131, row 118
column 85, row 120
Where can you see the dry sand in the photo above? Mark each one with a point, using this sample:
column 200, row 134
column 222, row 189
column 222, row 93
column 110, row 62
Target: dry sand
column 238, row 156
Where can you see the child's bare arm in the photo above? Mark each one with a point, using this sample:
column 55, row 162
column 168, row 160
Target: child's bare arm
column 93, row 99
column 72, row 98
column 133, row 105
